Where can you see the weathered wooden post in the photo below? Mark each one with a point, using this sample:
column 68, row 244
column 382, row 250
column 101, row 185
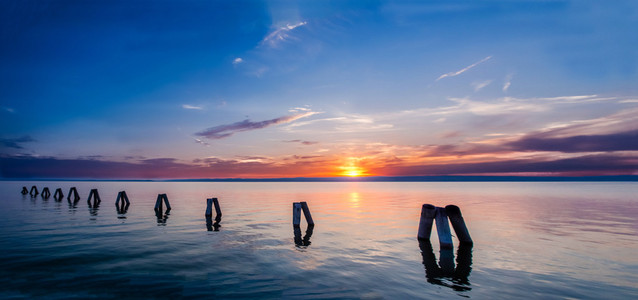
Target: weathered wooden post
column 454, row 213
column 34, row 191
column 306, row 213
column 428, row 212
column 443, row 228
column 158, row 203
column 218, row 210
column 73, row 194
column 96, row 198
column 58, row 194
column 46, row 193
column 296, row 214
column 123, row 199
column 24, row 190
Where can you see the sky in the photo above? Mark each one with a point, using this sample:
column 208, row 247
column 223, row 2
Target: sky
column 270, row 89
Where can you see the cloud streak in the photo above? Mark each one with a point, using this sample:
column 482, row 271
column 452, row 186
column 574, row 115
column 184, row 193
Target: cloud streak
column 281, row 34
column 459, row 72
column 15, row 143
column 188, row 106
column 224, row 131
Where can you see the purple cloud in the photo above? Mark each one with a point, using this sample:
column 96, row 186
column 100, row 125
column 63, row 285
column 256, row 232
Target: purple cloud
column 15, row 143
column 307, row 143
column 621, row 141
column 224, row 131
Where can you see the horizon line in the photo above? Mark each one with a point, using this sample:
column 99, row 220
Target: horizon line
column 443, row 178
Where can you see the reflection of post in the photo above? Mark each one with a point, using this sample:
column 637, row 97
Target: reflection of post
column 446, row 261
column 454, row 213
column 58, row 194
column 432, row 270
column 443, row 228
column 96, row 198
column 305, row 241
column 428, row 212
column 46, row 193
column 463, row 264
column 122, row 203
column 34, row 191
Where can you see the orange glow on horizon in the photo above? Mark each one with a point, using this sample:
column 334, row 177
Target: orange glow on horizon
column 351, row 169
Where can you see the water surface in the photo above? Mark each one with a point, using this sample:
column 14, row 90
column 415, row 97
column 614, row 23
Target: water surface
column 539, row 240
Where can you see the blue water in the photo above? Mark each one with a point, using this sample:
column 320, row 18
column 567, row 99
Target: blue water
column 531, row 240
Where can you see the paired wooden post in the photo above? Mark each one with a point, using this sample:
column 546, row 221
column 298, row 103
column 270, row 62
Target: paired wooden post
column 34, row 191
column 454, row 213
column 440, row 215
column 122, row 203
column 158, row 203
column 96, row 198
column 210, row 202
column 297, row 207
column 428, row 212
column 46, row 193
column 73, row 194
column 24, row 190
column 58, row 194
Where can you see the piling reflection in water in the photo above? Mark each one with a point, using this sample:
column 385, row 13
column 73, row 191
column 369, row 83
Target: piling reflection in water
column 445, row 273
column 305, row 241
column 213, row 226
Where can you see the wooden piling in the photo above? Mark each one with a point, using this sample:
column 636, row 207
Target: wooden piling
column 73, row 194
column 306, row 213
column 454, row 214
column 168, row 205
column 34, row 191
column 428, row 212
column 96, row 198
column 158, row 203
column 123, row 199
column 443, row 228
column 46, row 193
column 209, row 207
column 58, row 194
column 296, row 214
column 218, row 209
column 24, row 190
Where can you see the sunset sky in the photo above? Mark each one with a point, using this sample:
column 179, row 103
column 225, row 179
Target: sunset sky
column 252, row 89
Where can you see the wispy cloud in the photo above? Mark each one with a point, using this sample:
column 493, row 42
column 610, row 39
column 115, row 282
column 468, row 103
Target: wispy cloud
column 188, row 106
column 223, row 131
column 307, row 143
column 459, row 72
column 508, row 82
column 199, row 141
column 281, row 34
column 237, row 61
column 16, row 142
column 9, row 110
column 480, row 85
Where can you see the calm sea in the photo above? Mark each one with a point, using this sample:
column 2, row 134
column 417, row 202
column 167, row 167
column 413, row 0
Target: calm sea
column 531, row 240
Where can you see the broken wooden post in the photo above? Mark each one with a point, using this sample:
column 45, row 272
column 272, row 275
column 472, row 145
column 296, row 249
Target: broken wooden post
column 454, row 214
column 58, row 194
column 443, row 228
column 428, row 212
column 158, row 203
column 34, row 191
column 24, row 190
column 296, row 214
column 73, row 194
column 121, row 202
column 96, row 198
column 306, row 213
column 46, row 193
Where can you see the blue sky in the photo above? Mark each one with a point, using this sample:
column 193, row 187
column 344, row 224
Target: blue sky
column 285, row 89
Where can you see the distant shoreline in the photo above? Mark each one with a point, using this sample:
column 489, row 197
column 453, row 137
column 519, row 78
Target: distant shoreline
column 614, row 178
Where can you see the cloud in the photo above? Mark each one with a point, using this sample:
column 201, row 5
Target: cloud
column 459, row 72
column 188, row 106
column 15, row 143
column 622, row 141
column 479, row 85
column 199, row 141
column 508, row 82
column 307, row 143
column 223, row 131
column 237, row 61
column 9, row 110
column 281, row 34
